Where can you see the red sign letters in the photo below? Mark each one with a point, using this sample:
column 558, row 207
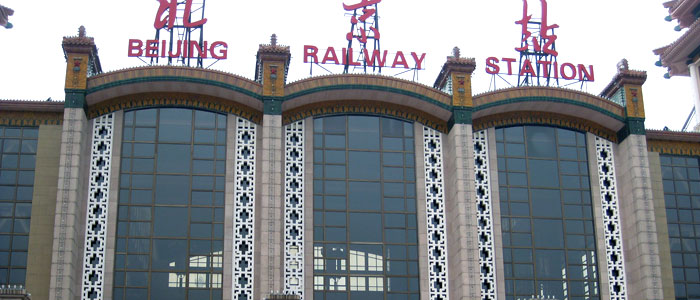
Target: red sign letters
column 366, row 14
column 367, row 57
column 541, row 46
column 171, row 8
column 165, row 19
column 544, row 32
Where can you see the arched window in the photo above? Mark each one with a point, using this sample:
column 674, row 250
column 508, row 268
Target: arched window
column 549, row 245
column 365, row 238
column 170, row 229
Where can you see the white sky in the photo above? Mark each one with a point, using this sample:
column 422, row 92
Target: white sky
column 597, row 32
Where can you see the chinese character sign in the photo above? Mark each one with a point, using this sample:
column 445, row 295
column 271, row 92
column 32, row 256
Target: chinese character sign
column 364, row 28
column 545, row 37
column 366, row 14
column 171, row 7
column 175, row 48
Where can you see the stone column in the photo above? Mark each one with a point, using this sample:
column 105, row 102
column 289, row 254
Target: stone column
column 271, row 205
column 68, row 235
column 639, row 236
column 463, row 244
column 272, row 64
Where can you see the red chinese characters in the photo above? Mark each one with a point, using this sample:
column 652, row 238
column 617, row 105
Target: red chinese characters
column 171, row 7
column 545, row 36
column 366, row 14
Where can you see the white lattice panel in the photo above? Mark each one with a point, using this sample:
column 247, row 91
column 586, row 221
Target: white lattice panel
column 435, row 213
column 98, row 198
column 244, row 211
column 294, row 209
column 484, row 215
column 611, row 219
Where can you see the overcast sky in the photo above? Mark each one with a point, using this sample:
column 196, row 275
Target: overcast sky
column 593, row 32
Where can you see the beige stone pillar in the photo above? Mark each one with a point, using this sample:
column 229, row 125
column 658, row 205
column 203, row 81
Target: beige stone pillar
column 642, row 264
column 68, row 233
column 462, row 241
column 269, row 208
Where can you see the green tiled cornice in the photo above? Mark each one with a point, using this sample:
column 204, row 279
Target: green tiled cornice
column 550, row 99
column 369, row 88
column 176, row 79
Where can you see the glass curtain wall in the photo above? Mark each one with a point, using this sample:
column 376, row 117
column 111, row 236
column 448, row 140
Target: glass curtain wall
column 681, row 180
column 170, row 227
column 365, row 239
column 549, row 247
column 17, row 162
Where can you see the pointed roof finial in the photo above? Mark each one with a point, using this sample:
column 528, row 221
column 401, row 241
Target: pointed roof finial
column 455, row 52
column 273, row 40
column 81, row 31
column 623, row 65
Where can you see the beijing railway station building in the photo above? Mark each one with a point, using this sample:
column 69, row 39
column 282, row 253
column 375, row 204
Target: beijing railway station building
column 166, row 182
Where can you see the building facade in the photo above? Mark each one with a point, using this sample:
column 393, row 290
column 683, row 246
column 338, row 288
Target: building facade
column 169, row 182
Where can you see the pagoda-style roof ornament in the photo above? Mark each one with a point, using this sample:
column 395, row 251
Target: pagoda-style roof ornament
column 454, row 63
column 5, row 13
column 678, row 55
column 83, row 44
column 624, row 76
column 623, row 65
column 683, row 11
column 272, row 52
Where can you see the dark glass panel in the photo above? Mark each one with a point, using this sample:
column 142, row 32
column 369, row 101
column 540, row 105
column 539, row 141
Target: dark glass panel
column 364, row 165
column 364, row 196
column 543, row 173
column 175, row 125
column 365, row 227
column 548, row 233
column 334, row 124
column 363, row 132
column 546, row 203
column 168, row 222
column 540, row 142
column 171, row 189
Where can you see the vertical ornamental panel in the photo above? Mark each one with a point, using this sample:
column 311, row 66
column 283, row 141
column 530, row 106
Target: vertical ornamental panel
column 96, row 219
column 244, row 211
column 611, row 219
column 435, row 213
column 484, row 215
column 294, row 209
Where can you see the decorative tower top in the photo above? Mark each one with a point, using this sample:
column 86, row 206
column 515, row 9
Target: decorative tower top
column 623, row 65
column 273, row 40
column 81, row 52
